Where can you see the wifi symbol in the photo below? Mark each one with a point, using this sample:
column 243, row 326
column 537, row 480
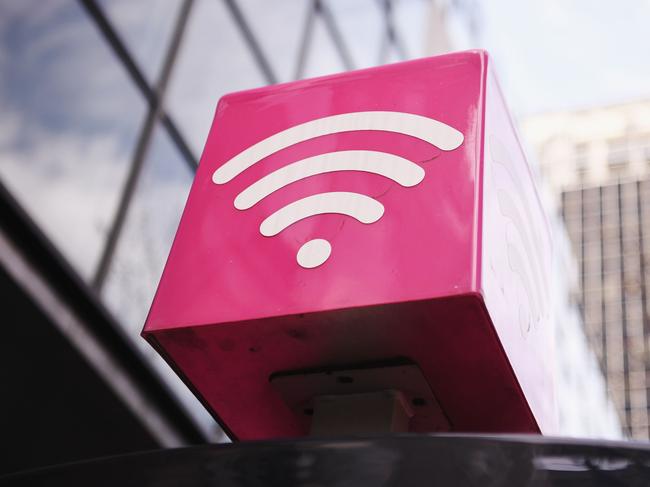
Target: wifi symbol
column 361, row 207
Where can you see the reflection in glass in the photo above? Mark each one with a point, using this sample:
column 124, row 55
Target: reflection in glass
column 322, row 57
column 412, row 18
column 145, row 27
column 278, row 26
column 142, row 251
column 362, row 26
column 148, row 233
column 213, row 60
column 69, row 119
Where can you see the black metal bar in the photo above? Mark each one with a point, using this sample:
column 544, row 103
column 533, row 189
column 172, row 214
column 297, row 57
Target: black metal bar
column 398, row 42
column 141, row 149
column 181, row 144
column 64, row 281
column 335, row 34
column 397, row 38
column 626, row 366
column 305, row 43
column 603, row 303
column 390, row 38
column 252, row 42
column 120, row 50
column 118, row 47
column 644, row 290
column 582, row 251
column 384, row 48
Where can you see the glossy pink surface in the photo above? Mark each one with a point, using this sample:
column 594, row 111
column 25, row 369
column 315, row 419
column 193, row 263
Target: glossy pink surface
column 516, row 259
column 233, row 306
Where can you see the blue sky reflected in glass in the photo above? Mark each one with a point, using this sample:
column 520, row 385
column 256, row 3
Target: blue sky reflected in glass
column 213, row 60
column 363, row 28
column 278, row 26
column 142, row 251
column 412, row 20
column 145, row 27
column 70, row 117
column 148, row 232
column 322, row 56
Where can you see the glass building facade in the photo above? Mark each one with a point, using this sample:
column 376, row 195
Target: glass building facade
column 106, row 105
column 597, row 164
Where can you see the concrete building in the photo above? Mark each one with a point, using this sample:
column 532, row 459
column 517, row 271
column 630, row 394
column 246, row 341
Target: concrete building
column 597, row 164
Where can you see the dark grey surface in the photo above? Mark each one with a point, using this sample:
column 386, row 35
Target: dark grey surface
column 54, row 407
column 404, row 460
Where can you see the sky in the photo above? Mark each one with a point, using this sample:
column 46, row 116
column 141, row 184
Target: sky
column 565, row 54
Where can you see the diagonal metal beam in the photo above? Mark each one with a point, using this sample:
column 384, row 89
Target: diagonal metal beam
column 252, row 42
column 384, row 47
column 335, row 33
column 145, row 136
column 305, row 43
column 391, row 38
column 120, row 50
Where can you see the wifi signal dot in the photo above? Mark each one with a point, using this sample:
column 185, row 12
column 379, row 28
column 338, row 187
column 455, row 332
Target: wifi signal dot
column 314, row 253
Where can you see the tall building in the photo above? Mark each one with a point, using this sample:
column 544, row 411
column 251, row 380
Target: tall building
column 584, row 406
column 597, row 162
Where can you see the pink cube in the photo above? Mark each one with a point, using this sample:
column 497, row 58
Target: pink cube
column 361, row 217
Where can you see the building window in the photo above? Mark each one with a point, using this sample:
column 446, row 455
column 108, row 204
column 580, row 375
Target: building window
column 581, row 159
column 645, row 148
column 618, row 156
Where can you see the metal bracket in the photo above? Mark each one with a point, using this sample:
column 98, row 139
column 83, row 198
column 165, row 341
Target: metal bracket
column 362, row 399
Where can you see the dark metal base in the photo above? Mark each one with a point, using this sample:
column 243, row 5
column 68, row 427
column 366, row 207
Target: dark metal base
column 401, row 460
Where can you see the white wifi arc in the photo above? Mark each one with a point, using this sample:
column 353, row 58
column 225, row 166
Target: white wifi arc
column 361, row 207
